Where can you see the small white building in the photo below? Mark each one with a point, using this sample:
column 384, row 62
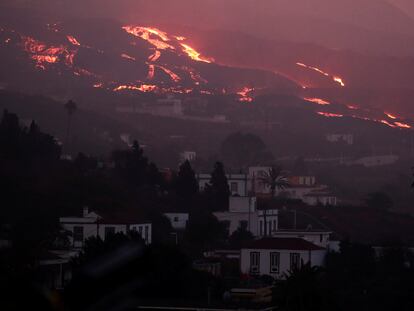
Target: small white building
column 178, row 220
column 318, row 237
column 317, row 198
column 277, row 256
column 336, row 138
column 375, row 161
column 188, row 156
column 237, row 183
column 92, row 224
column 244, row 213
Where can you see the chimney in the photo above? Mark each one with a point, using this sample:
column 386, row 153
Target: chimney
column 85, row 211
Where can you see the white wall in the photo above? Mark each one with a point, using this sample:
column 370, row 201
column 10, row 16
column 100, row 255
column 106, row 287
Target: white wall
column 321, row 238
column 178, row 220
column 94, row 229
column 315, row 257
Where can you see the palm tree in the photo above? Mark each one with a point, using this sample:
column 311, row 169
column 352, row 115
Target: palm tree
column 274, row 179
column 71, row 108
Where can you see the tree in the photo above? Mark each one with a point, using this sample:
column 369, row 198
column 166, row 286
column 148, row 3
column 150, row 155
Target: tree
column 186, row 184
column 70, row 108
column 305, row 289
column 274, row 179
column 240, row 236
column 218, row 189
column 242, row 150
column 379, row 200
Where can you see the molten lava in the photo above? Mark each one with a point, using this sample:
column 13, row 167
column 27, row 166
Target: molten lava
column 403, row 125
column 162, row 41
column 318, row 101
column 244, row 94
column 151, row 72
column 153, row 36
column 73, row 40
column 43, row 54
column 141, row 88
column 389, row 115
column 126, row 56
column 194, row 55
column 172, row 75
column 154, row 57
column 336, row 79
column 330, row 115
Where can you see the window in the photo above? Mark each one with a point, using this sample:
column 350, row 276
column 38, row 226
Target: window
column 146, row 234
column 243, row 225
column 294, row 261
column 109, row 231
column 234, row 187
column 77, row 234
column 274, row 225
column 321, row 238
column 274, row 262
column 261, row 227
column 254, row 262
column 175, row 219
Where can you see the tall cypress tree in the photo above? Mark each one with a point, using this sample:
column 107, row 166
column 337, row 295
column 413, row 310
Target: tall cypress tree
column 218, row 188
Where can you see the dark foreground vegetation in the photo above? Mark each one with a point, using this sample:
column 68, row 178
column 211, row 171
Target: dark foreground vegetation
column 38, row 187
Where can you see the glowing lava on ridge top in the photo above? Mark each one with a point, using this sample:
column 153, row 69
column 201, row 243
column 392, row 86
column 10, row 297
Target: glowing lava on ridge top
column 334, row 78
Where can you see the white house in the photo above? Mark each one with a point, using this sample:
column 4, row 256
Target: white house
column 237, row 183
column 92, row 224
column 335, row 138
column 321, row 197
column 277, row 256
column 178, row 220
column 318, row 237
column 188, row 156
column 375, row 161
column 244, row 213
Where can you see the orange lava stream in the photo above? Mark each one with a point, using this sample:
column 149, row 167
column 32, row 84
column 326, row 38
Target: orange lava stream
column 141, row 88
column 43, row 55
column 172, row 75
column 244, row 94
column 126, row 56
column 194, row 55
column 154, row 57
column 73, row 40
column 318, row 101
column 151, row 72
column 336, row 79
column 389, row 115
column 153, row 36
column 330, row 115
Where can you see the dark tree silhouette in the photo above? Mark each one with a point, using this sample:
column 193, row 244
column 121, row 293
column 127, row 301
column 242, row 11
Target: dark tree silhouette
column 186, row 184
column 218, row 189
column 70, row 108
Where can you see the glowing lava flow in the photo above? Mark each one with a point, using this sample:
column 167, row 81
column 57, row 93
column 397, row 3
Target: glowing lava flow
column 402, row 125
column 126, row 56
column 161, row 41
column 194, row 55
column 43, row 54
column 318, row 101
column 172, row 75
column 153, row 36
column 141, row 88
column 389, row 115
column 73, row 40
column 151, row 72
column 336, row 79
column 244, row 94
column 154, row 57
column 330, row 115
